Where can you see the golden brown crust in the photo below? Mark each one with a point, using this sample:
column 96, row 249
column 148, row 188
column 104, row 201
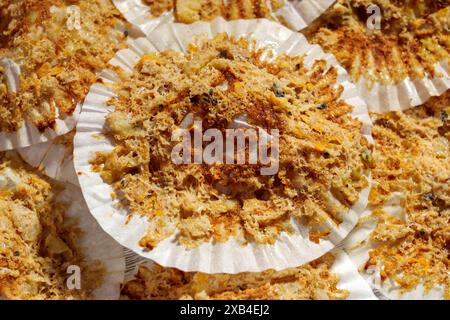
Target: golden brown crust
column 310, row 282
column 412, row 156
column 322, row 151
column 38, row 241
column 158, row 7
column 189, row 11
column 413, row 37
column 58, row 58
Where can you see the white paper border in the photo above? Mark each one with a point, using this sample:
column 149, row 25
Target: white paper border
column 349, row 278
column 358, row 252
column 229, row 257
column 96, row 245
column 29, row 134
column 298, row 14
column 407, row 93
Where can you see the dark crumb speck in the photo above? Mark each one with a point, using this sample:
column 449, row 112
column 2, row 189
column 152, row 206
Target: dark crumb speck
column 276, row 88
column 322, row 106
column 428, row 196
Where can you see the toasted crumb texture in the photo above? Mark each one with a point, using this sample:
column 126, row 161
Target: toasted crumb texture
column 314, row 281
column 189, row 11
column 59, row 46
column 38, row 243
column 323, row 155
column 158, row 7
column 413, row 37
column 413, row 157
column 252, row 9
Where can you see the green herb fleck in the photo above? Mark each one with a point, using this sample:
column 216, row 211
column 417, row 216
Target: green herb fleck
column 276, row 88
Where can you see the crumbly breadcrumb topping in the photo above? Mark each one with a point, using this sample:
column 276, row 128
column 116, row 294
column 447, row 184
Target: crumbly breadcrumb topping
column 314, row 281
column 413, row 37
column 58, row 56
column 189, row 11
column 38, row 243
column 323, row 155
column 412, row 156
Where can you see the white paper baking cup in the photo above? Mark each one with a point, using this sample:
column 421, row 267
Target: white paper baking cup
column 96, row 245
column 140, row 16
column 296, row 14
column 349, row 278
column 407, row 93
column 29, row 134
column 53, row 159
column 229, row 257
column 358, row 251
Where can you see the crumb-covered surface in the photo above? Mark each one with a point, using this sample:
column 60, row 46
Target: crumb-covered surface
column 413, row 37
column 314, row 281
column 323, row 155
column 412, row 157
column 59, row 46
column 38, row 243
column 189, row 11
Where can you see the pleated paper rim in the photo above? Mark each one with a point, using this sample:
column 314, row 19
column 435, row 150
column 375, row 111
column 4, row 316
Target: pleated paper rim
column 358, row 251
column 349, row 277
column 407, row 93
column 29, row 134
column 96, row 245
column 228, row 257
column 52, row 159
column 297, row 14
